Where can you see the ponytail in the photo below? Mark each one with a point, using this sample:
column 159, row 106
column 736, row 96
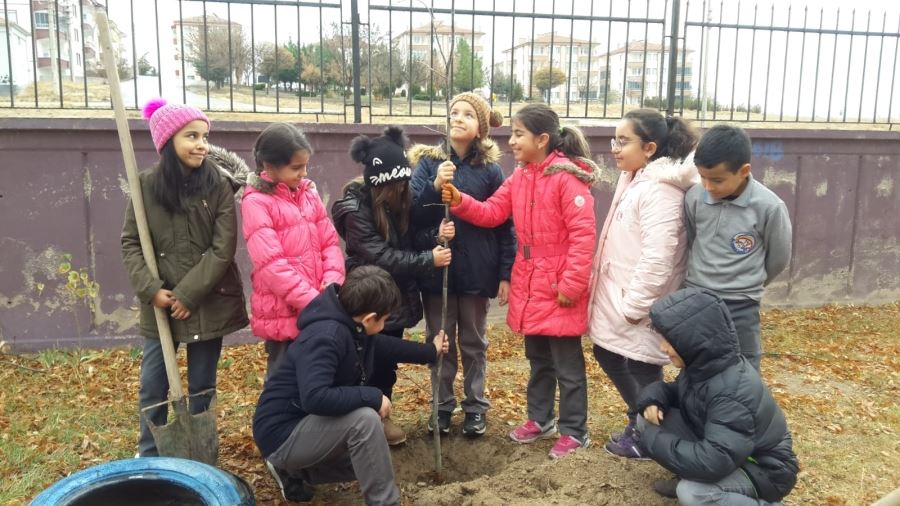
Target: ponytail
column 673, row 136
column 573, row 143
column 541, row 119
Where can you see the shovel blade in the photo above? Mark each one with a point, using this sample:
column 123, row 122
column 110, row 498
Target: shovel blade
column 189, row 436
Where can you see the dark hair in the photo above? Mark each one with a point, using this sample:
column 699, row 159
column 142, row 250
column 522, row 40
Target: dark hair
column 673, row 136
column 276, row 146
column 391, row 199
column 541, row 119
column 369, row 289
column 171, row 187
column 724, row 143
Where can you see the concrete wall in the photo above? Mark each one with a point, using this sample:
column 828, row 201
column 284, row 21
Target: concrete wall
column 62, row 199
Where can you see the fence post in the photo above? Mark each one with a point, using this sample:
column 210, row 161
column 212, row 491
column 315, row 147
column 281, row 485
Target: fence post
column 354, row 30
column 673, row 57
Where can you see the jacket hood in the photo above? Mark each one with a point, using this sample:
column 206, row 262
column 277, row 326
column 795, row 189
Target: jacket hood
column 349, row 203
column 584, row 169
column 325, row 306
column 230, row 165
column 697, row 324
column 486, row 152
column 680, row 173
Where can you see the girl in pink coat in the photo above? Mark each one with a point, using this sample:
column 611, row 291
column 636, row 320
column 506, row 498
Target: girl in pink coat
column 293, row 245
column 549, row 199
column 641, row 255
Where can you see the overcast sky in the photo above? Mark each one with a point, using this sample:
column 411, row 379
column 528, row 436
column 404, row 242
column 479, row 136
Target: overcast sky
column 784, row 81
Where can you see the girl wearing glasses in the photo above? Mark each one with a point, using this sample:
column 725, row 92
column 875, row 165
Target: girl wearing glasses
column 640, row 256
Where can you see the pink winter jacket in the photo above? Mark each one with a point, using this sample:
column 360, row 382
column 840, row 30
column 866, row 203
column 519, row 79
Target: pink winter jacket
column 641, row 257
column 295, row 251
column 553, row 212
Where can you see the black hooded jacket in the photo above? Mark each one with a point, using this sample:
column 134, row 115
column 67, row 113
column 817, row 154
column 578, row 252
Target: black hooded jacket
column 325, row 371
column 355, row 223
column 722, row 399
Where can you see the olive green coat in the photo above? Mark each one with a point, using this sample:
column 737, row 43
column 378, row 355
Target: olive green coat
column 195, row 256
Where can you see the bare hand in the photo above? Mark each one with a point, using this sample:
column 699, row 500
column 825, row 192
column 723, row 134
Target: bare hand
column 503, row 293
column 180, row 311
column 441, row 343
column 441, row 256
column 163, row 298
column 385, row 410
column 450, row 195
column 447, row 231
column 444, row 174
column 653, row 414
column 564, row 301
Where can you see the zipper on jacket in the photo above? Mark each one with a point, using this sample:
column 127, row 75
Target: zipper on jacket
column 206, row 206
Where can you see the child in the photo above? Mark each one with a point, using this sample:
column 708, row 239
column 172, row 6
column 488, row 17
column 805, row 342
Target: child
column 293, row 245
column 189, row 203
column 373, row 218
column 549, row 199
column 640, row 255
column 739, row 232
column 717, row 427
column 484, row 255
column 318, row 419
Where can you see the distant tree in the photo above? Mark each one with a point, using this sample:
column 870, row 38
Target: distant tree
column 548, row 78
column 276, row 69
column 467, row 68
column 144, row 67
column 502, row 87
column 209, row 53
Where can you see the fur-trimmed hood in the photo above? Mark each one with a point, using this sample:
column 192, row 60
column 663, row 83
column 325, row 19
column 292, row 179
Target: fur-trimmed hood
column 486, row 152
column 584, row 169
column 680, row 173
column 231, row 166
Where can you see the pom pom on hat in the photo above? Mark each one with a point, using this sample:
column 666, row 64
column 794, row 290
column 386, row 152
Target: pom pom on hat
column 383, row 157
column 151, row 107
column 167, row 119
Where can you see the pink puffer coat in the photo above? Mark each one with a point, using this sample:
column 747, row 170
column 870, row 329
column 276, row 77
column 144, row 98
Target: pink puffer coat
column 295, row 252
column 553, row 212
column 641, row 257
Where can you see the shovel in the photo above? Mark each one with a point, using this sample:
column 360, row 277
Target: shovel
column 188, row 436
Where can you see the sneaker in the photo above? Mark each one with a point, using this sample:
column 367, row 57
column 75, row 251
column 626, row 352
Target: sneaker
column 666, row 488
column 531, row 431
column 475, row 424
column 628, row 431
column 443, row 422
column 628, row 447
column 292, row 489
column 393, row 433
column 567, row 444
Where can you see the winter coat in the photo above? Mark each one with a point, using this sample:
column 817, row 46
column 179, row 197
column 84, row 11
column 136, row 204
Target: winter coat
column 326, row 370
column 721, row 398
column 295, row 252
column 553, row 211
column 482, row 257
column 355, row 223
column 195, row 257
column 641, row 256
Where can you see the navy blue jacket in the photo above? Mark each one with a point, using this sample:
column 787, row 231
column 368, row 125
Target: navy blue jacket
column 735, row 419
column 325, row 371
column 482, row 257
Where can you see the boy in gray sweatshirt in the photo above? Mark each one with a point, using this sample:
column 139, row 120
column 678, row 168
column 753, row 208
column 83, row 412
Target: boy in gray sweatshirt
column 739, row 232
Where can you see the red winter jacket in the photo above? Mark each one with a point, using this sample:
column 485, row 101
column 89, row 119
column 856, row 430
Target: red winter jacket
column 295, row 252
column 553, row 213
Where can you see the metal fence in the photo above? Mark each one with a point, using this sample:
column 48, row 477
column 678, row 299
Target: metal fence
column 398, row 60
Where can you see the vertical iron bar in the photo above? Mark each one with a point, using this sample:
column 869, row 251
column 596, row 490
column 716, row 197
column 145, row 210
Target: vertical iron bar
column 452, row 60
column 571, row 46
column 660, row 71
column 893, row 74
column 627, row 44
column 409, row 68
column 687, row 10
column 431, row 72
column 59, row 56
column 12, row 81
column 878, row 76
column 158, row 44
column 673, row 56
column 321, row 63
column 587, row 88
column 277, row 71
column 300, row 63
column 134, row 56
column 862, row 84
column 472, row 80
column 752, row 59
column 818, row 59
column 34, row 57
column 354, row 34
column 343, row 82
column 849, row 60
column 206, row 52
column 737, row 33
column 390, row 96
column 837, row 21
column 252, row 55
column 181, row 32
column 531, row 63
column 493, row 49
column 800, row 77
column 230, row 61
column 608, row 49
column 512, row 67
column 769, row 62
column 83, row 54
column 662, row 56
column 718, row 53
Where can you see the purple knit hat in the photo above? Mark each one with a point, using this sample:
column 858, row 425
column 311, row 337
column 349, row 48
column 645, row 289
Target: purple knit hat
column 166, row 119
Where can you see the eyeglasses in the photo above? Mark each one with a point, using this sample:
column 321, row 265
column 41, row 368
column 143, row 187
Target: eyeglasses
column 617, row 144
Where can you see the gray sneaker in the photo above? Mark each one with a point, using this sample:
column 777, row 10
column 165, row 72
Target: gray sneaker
column 292, row 489
column 474, row 424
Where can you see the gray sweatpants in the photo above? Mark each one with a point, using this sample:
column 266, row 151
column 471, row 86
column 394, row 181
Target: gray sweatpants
column 557, row 360
column 466, row 331
column 328, row 449
column 745, row 314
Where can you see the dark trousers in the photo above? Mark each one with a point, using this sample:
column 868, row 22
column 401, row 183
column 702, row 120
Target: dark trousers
column 202, row 358
column 276, row 351
column 385, row 374
column 557, row 361
column 745, row 314
column 629, row 376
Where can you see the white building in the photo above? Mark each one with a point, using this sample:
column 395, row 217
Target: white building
column 422, row 41
column 191, row 28
column 646, row 68
column 16, row 72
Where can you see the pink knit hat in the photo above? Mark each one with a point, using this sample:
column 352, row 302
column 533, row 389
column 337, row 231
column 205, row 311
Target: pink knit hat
column 167, row 119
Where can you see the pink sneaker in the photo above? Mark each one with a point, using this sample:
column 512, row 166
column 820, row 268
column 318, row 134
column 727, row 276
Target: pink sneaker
column 567, row 444
column 531, row 431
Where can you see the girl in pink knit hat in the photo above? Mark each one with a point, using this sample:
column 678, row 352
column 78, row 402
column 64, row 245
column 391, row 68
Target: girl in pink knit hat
column 190, row 207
